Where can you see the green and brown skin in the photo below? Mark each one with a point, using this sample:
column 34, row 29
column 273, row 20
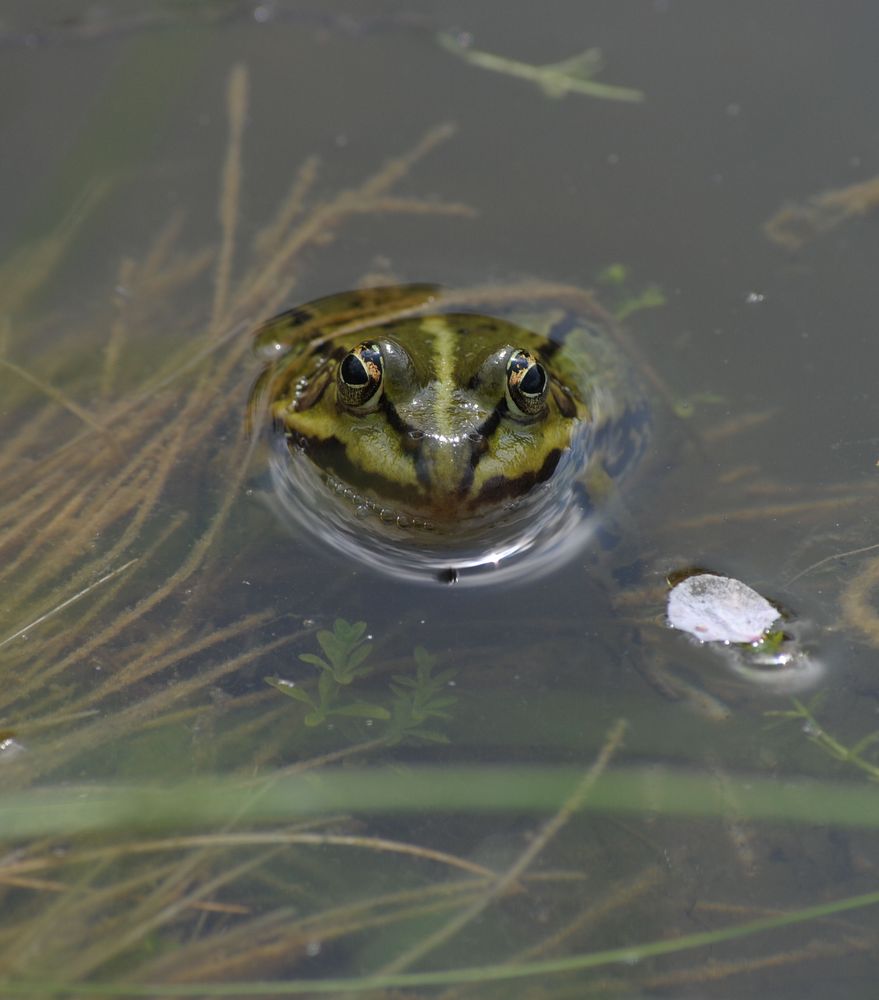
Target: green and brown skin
column 442, row 435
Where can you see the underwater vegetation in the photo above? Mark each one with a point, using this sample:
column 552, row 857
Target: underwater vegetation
column 173, row 826
column 416, row 698
column 796, row 224
column 570, row 76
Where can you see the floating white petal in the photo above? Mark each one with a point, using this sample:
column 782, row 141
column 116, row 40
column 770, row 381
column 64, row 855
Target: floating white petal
column 719, row 609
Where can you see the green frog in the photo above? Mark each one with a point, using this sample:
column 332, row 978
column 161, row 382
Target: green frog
column 439, row 434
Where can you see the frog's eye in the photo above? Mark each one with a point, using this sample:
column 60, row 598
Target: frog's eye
column 527, row 385
column 360, row 377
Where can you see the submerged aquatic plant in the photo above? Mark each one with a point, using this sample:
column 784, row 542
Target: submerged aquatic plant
column 113, row 630
column 419, row 699
column 416, row 699
column 570, row 76
column 101, row 536
column 345, row 649
column 113, row 540
column 626, row 300
column 804, row 713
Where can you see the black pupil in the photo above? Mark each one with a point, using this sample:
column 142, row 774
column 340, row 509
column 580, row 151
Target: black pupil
column 533, row 381
column 353, row 371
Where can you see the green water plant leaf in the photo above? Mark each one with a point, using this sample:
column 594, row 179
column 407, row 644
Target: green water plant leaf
column 626, row 300
column 572, row 75
column 418, row 699
column 362, row 709
column 830, row 744
column 290, row 689
column 346, row 648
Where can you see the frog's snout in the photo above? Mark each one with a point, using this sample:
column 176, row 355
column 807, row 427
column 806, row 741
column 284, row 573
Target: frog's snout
column 446, row 466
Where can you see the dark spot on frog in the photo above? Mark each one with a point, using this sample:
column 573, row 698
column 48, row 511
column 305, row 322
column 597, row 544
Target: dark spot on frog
column 296, row 317
column 499, row 487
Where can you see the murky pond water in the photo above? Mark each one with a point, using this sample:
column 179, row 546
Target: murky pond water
column 234, row 761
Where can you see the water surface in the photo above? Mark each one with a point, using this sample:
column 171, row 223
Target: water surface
column 143, row 237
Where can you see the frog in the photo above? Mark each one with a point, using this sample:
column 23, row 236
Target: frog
column 439, row 434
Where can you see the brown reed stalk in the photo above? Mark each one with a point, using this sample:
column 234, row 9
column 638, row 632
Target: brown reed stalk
column 292, row 206
column 70, row 534
column 236, row 104
column 189, row 566
column 148, row 664
column 55, row 394
column 161, row 908
column 26, row 272
column 78, row 490
column 53, row 647
column 511, row 876
column 36, row 429
column 249, row 839
column 620, row 896
column 125, row 280
column 128, row 720
column 716, row 970
column 226, row 705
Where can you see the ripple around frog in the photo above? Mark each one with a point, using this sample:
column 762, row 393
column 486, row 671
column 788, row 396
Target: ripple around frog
column 517, row 540
column 528, row 539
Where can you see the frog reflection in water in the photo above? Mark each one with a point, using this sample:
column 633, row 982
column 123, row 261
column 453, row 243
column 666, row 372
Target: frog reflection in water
column 432, row 441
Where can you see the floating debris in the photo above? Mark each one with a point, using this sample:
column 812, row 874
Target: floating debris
column 756, row 639
column 570, row 76
column 719, row 609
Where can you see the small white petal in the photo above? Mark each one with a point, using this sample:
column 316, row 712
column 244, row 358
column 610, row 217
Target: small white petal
column 719, row 609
